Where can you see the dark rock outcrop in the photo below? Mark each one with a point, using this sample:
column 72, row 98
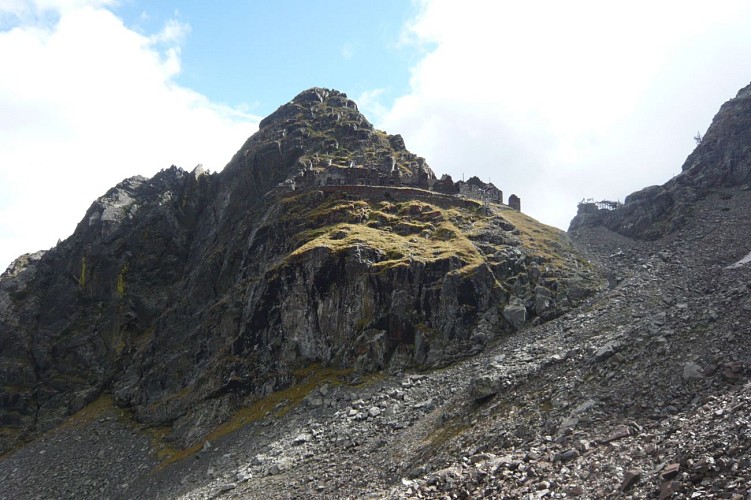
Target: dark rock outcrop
column 722, row 158
column 190, row 294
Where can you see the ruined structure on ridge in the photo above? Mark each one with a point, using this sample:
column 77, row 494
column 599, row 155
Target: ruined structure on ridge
column 515, row 202
column 334, row 145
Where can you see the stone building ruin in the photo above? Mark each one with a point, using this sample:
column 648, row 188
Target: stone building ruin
column 475, row 189
column 515, row 202
column 326, row 172
column 589, row 205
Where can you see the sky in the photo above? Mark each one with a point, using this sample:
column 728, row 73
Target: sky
column 553, row 101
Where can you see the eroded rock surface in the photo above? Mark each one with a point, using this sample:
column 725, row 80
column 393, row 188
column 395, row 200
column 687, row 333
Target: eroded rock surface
column 721, row 159
column 638, row 391
column 593, row 404
column 191, row 294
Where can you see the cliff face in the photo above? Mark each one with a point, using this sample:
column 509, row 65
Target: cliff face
column 722, row 158
column 188, row 295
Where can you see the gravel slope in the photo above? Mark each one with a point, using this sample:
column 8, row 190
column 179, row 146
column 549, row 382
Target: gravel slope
column 641, row 393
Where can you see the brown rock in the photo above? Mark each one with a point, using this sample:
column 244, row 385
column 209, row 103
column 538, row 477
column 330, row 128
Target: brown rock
column 668, row 488
column 574, row 490
column 619, row 432
column 670, row 471
column 630, row 478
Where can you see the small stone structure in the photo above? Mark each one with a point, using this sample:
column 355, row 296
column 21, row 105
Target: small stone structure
column 326, row 172
column 475, row 189
column 590, row 206
column 358, row 175
column 515, row 202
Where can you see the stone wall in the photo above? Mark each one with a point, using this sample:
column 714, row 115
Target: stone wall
column 515, row 202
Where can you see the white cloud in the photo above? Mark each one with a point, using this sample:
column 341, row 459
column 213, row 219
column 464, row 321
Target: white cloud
column 173, row 32
column 368, row 102
column 557, row 101
column 347, row 51
column 86, row 102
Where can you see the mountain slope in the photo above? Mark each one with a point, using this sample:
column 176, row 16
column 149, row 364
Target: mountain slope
column 190, row 295
column 642, row 391
column 721, row 159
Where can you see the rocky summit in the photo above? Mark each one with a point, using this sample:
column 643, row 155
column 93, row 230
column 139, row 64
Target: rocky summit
column 326, row 318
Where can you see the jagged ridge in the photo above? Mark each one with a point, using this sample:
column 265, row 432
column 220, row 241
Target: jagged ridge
column 188, row 295
column 722, row 158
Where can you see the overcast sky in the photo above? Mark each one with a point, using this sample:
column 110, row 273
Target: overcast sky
column 554, row 101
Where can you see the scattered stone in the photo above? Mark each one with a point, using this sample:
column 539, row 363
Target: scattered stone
column 692, row 371
column 670, row 471
column 301, row 439
column 515, row 313
column 607, row 350
column 567, row 455
column 620, row 432
column 668, row 488
column 630, row 478
column 484, row 386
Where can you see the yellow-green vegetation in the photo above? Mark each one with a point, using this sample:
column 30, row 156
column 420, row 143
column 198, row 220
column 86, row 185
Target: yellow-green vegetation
column 120, row 285
column 397, row 250
column 402, row 232
column 175, row 396
column 297, row 209
column 92, row 412
column 444, row 433
column 15, row 389
column 368, row 310
column 547, row 242
column 274, row 405
column 118, row 344
column 82, row 277
column 143, row 338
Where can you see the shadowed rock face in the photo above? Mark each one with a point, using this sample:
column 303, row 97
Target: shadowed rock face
column 186, row 295
column 721, row 159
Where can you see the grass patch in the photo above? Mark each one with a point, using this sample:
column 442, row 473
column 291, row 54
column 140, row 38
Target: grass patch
column 547, row 242
column 400, row 232
column 120, row 284
column 395, row 249
column 274, row 405
column 445, row 433
column 16, row 389
column 93, row 411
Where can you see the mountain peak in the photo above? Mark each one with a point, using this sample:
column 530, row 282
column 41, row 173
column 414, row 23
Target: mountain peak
column 320, row 138
column 324, row 241
column 722, row 158
column 312, row 99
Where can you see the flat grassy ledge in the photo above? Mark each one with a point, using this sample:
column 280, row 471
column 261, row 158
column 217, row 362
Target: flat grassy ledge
column 400, row 232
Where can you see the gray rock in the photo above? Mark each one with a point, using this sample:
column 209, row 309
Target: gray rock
column 227, row 487
column 607, row 350
column 630, row 479
column 567, row 455
column 692, row 371
column 515, row 313
column 585, row 406
column 484, row 386
column 302, row 439
column 568, row 423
